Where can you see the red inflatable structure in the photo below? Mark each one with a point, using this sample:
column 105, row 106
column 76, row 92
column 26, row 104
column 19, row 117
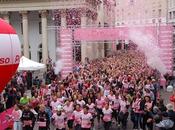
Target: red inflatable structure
column 9, row 53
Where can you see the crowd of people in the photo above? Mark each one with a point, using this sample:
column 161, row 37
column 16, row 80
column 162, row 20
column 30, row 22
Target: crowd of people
column 108, row 91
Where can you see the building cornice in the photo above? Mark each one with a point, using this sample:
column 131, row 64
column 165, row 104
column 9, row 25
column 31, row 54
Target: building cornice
column 33, row 5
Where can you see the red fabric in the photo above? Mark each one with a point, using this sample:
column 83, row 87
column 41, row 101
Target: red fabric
column 4, row 121
column 172, row 98
column 7, row 71
column 5, row 28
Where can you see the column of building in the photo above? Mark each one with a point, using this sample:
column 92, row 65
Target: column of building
column 63, row 19
column 44, row 36
column 83, row 44
column 101, row 24
column 91, row 46
column 25, row 33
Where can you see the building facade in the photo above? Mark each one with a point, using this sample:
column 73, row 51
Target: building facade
column 36, row 22
column 171, row 20
column 140, row 12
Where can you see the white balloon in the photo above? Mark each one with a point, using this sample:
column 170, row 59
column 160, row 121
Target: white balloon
column 59, row 108
column 170, row 88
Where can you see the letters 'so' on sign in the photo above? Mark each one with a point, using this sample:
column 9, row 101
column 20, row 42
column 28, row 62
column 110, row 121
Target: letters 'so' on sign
column 9, row 53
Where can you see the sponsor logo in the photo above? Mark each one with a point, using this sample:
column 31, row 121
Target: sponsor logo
column 4, row 60
column 7, row 60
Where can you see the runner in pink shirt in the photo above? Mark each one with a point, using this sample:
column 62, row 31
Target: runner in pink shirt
column 86, row 119
column 69, row 108
column 107, row 116
column 59, row 120
column 123, row 114
column 116, row 106
column 91, row 110
column 99, row 104
column 77, row 117
column 54, row 103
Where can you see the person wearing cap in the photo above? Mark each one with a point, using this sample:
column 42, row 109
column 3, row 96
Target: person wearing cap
column 24, row 100
column 59, row 118
column 170, row 113
column 43, row 118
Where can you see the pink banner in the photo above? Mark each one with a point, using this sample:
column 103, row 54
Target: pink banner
column 66, row 54
column 5, row 121
column 99, row 34
column 120, row 33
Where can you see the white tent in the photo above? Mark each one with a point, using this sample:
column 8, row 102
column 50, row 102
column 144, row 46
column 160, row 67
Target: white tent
column 27, row 64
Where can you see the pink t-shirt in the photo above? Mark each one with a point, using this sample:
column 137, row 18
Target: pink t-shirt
column 60, row 100
column 91, row 108
column 125, row 85
column 69, row 111
column 77, row 117
column 107, row 114
column 54, row 105
column 116, row 104
column 16, row 115
column 81, row 103
column 59, row 121
column 86, row 120
column 111, row 98
column 123, row 106
column 100, row 103
column 136, row 105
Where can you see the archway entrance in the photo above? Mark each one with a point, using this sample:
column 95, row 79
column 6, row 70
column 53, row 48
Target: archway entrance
column 155, row 37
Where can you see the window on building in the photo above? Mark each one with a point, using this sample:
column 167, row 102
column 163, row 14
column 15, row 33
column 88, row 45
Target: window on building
column 153, row 13
column 22, row 49
column 131, row 2
column 21, row 28
column 40, row 28
column 160, row 12
column 173, row 14
column 153, row 20
column 170, row 3
column 170, row 15
column 40, row 52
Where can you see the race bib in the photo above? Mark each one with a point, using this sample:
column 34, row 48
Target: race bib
column 41, row 124
column 27, row 123
column 107, row 118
